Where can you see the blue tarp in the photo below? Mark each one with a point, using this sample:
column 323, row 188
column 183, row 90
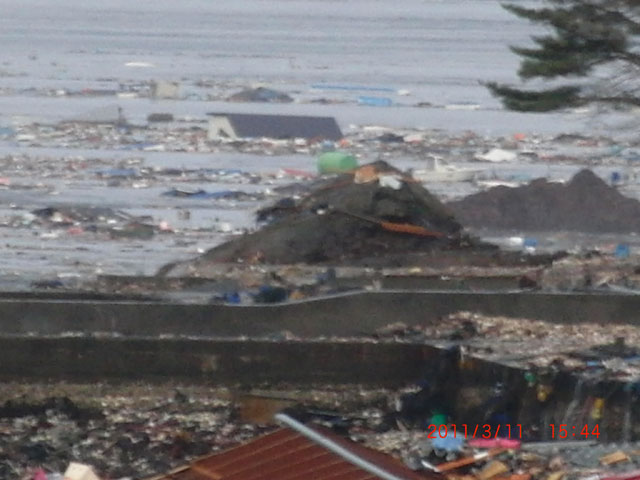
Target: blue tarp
column 449, row 442
column 622, row 250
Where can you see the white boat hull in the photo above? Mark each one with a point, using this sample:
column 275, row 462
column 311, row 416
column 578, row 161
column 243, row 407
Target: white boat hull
column 445, row 175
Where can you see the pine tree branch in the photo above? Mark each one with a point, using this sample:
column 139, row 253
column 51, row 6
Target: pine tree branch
column 536, row 100
column 620, row 13
column 584, row 34
column 631, row 100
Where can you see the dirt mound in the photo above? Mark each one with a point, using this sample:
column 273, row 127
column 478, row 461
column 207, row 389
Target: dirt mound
column 584, row 204
column 374, row 212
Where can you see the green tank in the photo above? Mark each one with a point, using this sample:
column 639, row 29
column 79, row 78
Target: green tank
column 336, row 162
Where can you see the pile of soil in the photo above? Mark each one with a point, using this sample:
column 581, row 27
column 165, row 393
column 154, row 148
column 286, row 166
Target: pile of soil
column 333, row 223
column 584, row 204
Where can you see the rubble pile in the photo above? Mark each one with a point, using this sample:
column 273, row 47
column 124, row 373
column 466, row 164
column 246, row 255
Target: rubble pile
column 590, row 349
column 375, row 213
column 76, row 220
column 19, row 171
column 137, row 430
column 520, row 329
column 185, row 134
column 509, row 459
column 590, row 272
column 586, row 203
column 132, row 431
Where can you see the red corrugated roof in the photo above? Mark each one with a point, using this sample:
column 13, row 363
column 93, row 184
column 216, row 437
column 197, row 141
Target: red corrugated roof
column 288, row 455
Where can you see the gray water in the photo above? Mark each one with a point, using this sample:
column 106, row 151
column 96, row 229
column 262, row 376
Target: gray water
column 438, row 52
column 419, row 51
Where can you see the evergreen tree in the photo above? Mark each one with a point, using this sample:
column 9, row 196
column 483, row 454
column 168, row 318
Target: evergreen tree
column 591, row 54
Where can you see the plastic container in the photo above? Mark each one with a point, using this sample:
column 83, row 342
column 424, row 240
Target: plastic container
column 622, row 250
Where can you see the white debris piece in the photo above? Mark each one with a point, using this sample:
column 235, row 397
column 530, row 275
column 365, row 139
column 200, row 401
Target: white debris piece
column 515, row 241
column 80, row 471
column 414, row 138
column 139, row 64
column 498, row 155
column 462, row 106
column 390, row 181
column 225, row 227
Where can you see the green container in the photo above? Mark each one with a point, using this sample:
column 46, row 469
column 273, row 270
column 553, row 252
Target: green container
column 336, row 162
column 439, row 419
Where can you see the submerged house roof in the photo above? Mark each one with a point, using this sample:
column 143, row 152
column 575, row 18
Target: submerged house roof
column 249, row 125
column 297, row 452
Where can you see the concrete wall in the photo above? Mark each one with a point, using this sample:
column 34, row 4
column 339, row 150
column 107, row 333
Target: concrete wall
column 344, row 315
column 467, row 387
column 228, row 362
column 114, row 283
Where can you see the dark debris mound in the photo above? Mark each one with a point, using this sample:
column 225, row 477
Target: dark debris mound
column 584, row 204
column 323, row 227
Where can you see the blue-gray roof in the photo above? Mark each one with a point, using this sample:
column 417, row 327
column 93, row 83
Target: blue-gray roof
column 248, row 125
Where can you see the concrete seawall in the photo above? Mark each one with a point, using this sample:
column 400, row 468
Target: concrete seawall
column 467, row 385
column 216, row 362
column 125, row 340
column 343, row 315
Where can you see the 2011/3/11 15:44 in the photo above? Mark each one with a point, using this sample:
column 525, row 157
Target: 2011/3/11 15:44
column 474, row 431
column 572, row 431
